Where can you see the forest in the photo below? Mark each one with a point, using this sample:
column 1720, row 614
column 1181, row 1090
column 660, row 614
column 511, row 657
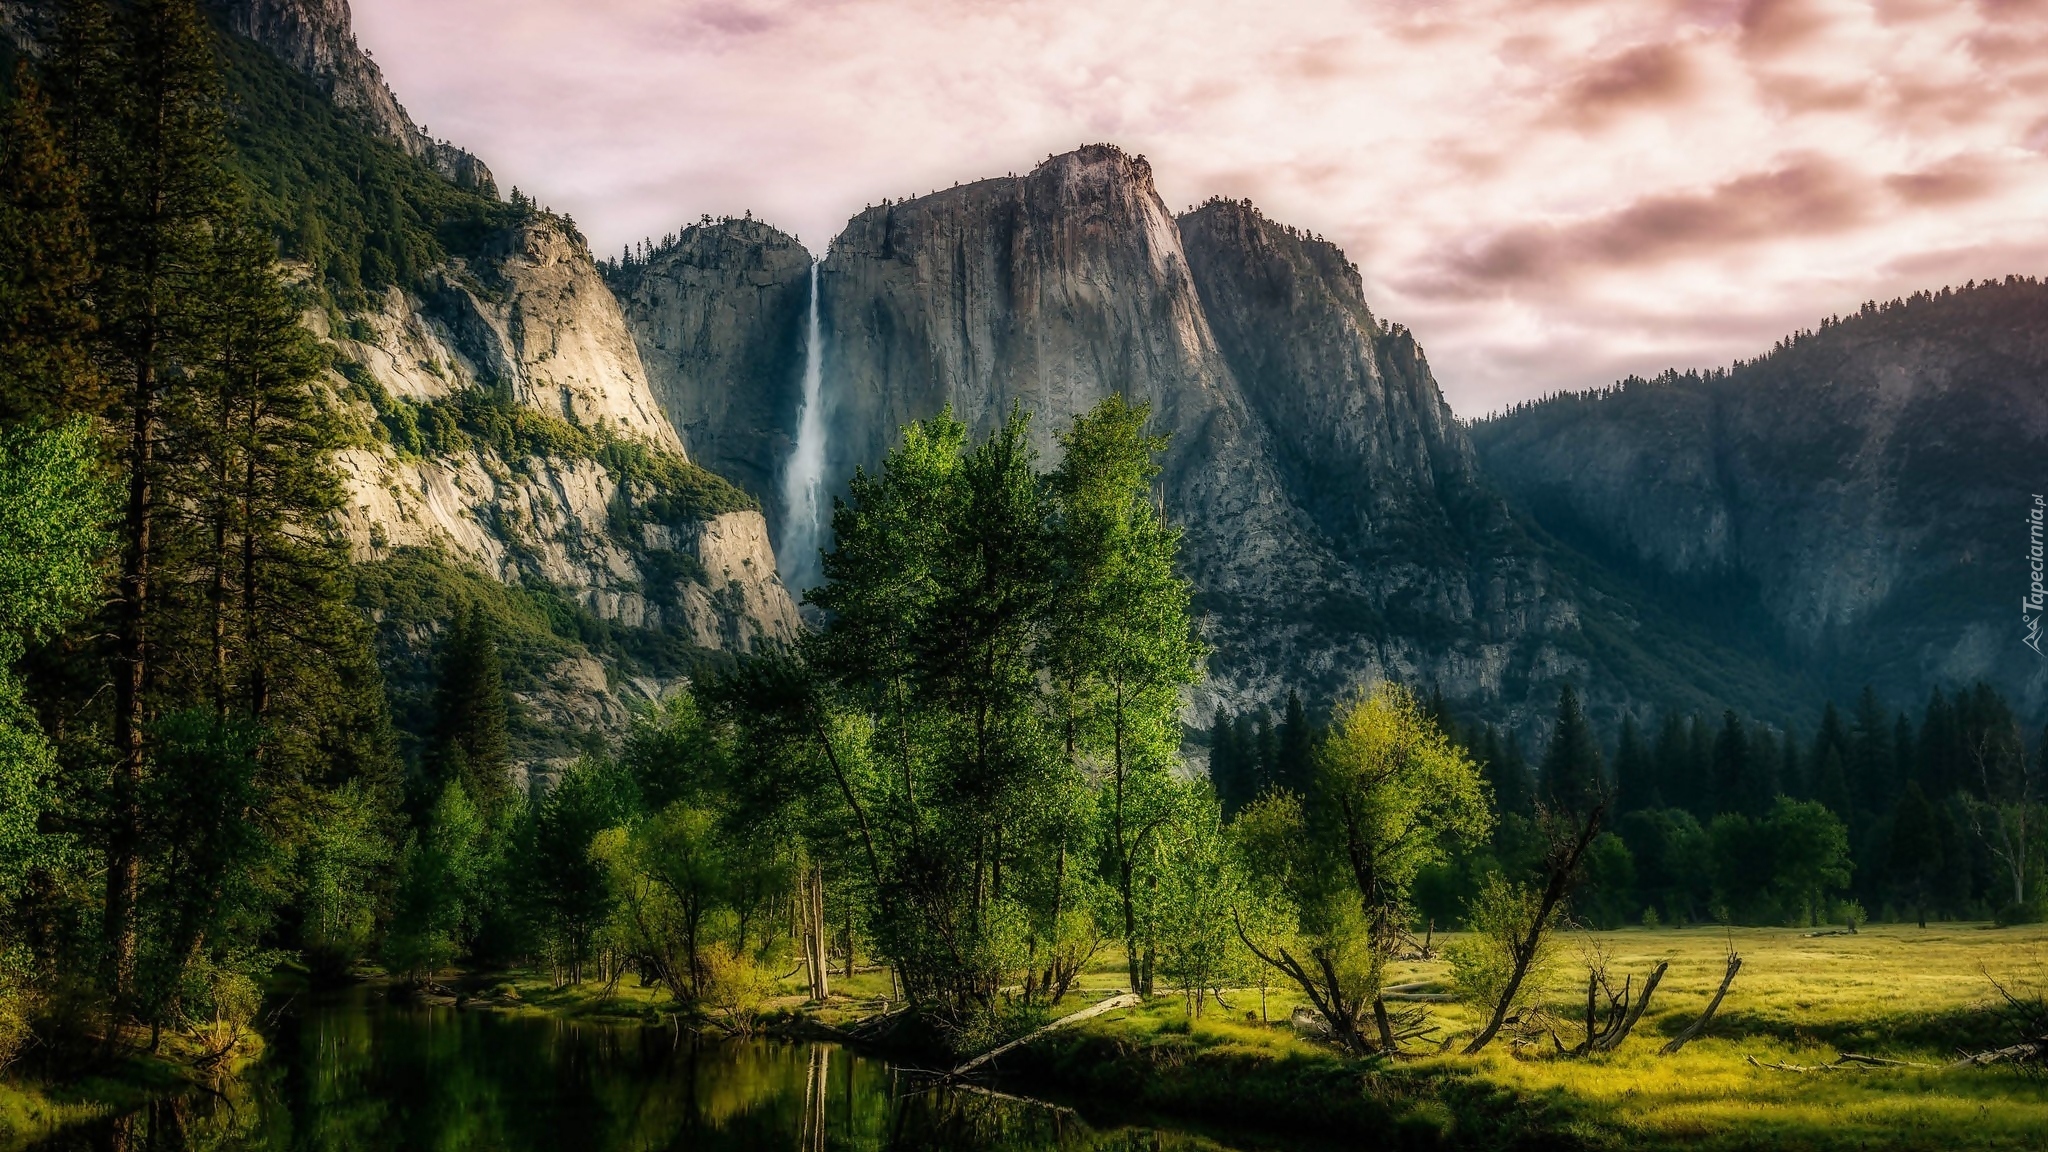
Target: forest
column 975, row 776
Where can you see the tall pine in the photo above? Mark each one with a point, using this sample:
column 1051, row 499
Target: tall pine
column 1635, row 770
column 1297, row 743
column 45, row 265
column 1571, row 774
column 470, row 744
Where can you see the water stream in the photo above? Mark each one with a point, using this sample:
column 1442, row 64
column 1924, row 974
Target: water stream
column 358, row 1073
column 803, row 476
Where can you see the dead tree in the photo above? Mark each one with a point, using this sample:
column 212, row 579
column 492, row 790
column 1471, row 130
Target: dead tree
column 1693, row 1030
column 1570, row 836
column 1607, row 1028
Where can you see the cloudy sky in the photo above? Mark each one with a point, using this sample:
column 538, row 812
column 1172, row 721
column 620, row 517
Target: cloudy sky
column 1552, row 193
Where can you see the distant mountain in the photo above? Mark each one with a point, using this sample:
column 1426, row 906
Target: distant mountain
column 1849, row 508
column 1858, row 498
column 1339, row 527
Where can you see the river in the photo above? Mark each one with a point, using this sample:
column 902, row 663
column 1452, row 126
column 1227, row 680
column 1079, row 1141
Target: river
column 358, row 1073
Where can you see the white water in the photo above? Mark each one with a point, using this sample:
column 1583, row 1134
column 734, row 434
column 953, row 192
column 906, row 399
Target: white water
column 803, row 477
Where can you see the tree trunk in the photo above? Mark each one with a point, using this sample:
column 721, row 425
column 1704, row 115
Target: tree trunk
column 1562, row 871
column 124, row 864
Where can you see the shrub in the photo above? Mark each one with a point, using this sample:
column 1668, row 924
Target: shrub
column 734, row 987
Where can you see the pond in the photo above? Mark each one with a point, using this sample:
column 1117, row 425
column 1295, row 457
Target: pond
column 362, row 1074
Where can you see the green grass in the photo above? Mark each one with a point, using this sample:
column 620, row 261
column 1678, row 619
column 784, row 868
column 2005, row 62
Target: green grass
column 31, row 1111
column 1900, row 992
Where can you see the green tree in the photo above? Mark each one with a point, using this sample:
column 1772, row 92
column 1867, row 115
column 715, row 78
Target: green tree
column 205, row 900
column 1571, row 775
column 438, row 908
column 1870, row 760
column 1673, row 858
column 1226, row 764
column 1296, row 752
column 1914, row 852
column 54, row 508
column 1635, row 770
column 1121, row 640
column 567, row 881
column 470, row 743
column 1507, row 773
column 45, row 265
column 1809, row 853
column 145, row 126
column 1829, row 763
column 1388, row 796
column 1607, row 897
column 1199, row 886
column 1736, row 786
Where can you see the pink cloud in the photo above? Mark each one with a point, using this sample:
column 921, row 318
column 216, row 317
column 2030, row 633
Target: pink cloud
column 1550, row 193
column 1807, row 197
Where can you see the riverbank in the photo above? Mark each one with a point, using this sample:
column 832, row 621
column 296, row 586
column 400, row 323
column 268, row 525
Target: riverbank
column 32, row 1110
column 1895, row 992
column 1899, row 993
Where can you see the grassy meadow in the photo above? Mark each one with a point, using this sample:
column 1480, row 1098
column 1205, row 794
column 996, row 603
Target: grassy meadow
column 1898, row 992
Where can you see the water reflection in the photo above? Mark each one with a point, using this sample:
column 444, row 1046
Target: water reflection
column 361, row 1075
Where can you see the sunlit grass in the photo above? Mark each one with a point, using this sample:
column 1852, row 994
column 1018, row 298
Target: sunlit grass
column 1899, row 992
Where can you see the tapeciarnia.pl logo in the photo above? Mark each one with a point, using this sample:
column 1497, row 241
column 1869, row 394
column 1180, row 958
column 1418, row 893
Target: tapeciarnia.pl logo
column 2037, row 597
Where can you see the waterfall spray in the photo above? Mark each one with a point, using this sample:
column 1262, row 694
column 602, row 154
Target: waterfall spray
column 803, row 477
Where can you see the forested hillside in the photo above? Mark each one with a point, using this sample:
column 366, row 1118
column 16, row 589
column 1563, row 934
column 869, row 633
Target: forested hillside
column 1855, row 501
column 326, row 491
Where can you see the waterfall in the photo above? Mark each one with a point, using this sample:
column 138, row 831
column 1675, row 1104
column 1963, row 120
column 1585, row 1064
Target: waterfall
column 803, row 477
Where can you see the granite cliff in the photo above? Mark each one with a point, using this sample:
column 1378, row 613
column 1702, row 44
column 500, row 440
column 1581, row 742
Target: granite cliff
column 511, row 429
column 1339, row 528
column 718, row 314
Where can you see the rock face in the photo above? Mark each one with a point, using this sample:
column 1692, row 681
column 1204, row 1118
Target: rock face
column 1862, row 492
column 1339, row 528
column 316, row 38
column 718, row 316
column 1053, row 291
column 533, row 315
column 538, row 324
column 1335, row 524
column 531, row 324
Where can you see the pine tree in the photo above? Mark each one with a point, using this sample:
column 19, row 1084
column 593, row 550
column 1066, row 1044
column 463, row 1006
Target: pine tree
column 1939, row 761
column 1699, row 767
column 1635, row 782
column 142, row 117
column 1791, row 774
column 1731, row 784
column 470, row 742
column 1501, row 761
column 45, row 266
column 1268, row 753
column 1914, row 858
column 1439, row 712
column 1571, row 773
column 1870, row 757
column 1297, row 744
column 1905, row 752
column 1224, row 770
column 1671, row 753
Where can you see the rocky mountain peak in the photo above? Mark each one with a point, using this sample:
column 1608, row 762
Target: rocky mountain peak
column 317, row 39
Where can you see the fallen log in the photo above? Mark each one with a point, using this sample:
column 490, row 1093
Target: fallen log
column 1125, row 1000
column 1693, row 1030
column 2031, row 1050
